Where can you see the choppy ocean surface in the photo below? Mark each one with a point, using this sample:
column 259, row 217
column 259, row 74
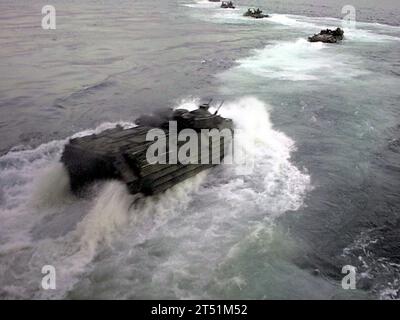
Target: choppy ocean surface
column 321, row 121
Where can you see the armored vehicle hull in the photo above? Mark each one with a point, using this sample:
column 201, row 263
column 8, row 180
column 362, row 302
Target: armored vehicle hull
column 328, row 36
column 255, row 13
column 227, row 5
column 121, row 154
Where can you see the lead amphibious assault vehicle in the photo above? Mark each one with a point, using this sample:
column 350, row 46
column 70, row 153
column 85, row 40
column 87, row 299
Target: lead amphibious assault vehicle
column 120, row 153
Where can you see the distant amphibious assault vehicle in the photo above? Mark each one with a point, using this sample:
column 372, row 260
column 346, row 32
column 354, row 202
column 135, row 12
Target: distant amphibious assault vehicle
column 120, row 153
column 328, row 36
column 227, row 5
column 255, row 13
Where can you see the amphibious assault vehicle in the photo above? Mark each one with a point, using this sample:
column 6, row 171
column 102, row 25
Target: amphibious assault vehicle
column 328, row 36
column 255, row 13
column 227, row 5
column 122, row 154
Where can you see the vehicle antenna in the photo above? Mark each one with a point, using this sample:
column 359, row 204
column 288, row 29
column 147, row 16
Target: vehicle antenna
column 219, row 107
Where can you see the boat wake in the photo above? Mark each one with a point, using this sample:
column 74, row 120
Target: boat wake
column 364, row 31
column 300, row 61
column 179, row 246
column 44, row 224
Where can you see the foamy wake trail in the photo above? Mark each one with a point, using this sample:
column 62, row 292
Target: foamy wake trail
column 300, row 61
column 363, row 32
column 203, row 4
column 34, row 197
column 182, row 239
column 43, row 224
column 269, row 171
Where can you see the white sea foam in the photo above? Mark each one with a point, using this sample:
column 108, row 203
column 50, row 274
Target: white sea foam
column 35, row 187
column 382, row 272
column 203, row 4
column 52, row 187
column 300, row 61
column 364, row 31
column 203, row 207
column 291, row 21
column 180, row 238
